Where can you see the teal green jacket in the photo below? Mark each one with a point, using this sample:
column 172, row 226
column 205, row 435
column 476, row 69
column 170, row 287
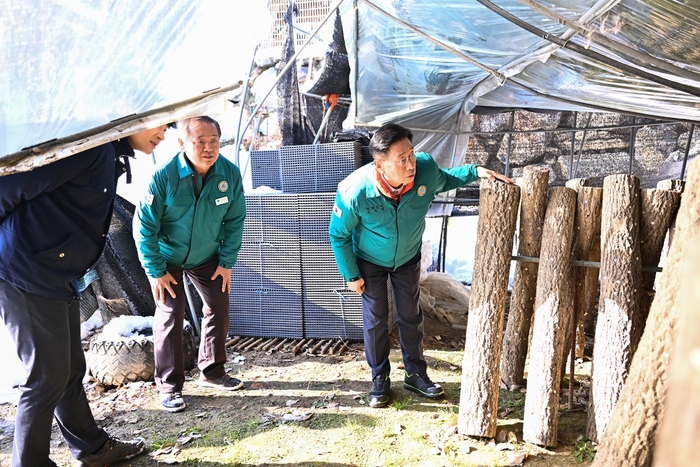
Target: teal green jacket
column 366, row 224
column 172, row 225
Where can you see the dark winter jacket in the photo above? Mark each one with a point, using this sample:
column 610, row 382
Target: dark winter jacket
column 54, row 219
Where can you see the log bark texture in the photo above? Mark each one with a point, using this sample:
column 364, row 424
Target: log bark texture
column 549, row 320
column 589, row 206
column 498, row 212
column 618, row 306
column 658, row 209
column 522, row 299
column 629, row 439
column 679, row 432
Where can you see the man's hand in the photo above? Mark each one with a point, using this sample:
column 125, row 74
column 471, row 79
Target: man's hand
column 160, row 285
column 225, row 276
column 357, row 286
column 491, row 175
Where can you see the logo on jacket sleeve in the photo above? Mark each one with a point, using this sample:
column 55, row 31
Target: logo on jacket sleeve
column 421, row 190
column 337, row 211
column 147, row 199
column 223, row 186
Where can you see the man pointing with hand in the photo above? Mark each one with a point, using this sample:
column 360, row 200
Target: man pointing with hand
column 376, row 231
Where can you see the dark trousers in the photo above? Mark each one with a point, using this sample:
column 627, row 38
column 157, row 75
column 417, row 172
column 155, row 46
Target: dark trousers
column 375, row 314
column 168, row 324
column 46, row 333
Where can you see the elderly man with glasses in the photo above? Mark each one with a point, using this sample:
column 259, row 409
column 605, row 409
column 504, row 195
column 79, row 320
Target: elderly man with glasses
column 376, row 231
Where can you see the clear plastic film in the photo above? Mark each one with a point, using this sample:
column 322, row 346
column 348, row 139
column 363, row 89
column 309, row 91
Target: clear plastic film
column 427, row 64
column 69, row 66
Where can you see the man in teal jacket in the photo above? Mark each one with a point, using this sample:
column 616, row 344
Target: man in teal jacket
column 191, row 222
column 376, row 231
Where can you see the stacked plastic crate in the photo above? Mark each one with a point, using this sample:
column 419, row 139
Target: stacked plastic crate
column 265, row 293
column 286, row 283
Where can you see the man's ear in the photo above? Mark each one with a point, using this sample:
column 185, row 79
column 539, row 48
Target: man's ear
column 181, row 143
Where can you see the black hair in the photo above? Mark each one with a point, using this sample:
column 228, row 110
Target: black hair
column 184, row 125
column 385, row 136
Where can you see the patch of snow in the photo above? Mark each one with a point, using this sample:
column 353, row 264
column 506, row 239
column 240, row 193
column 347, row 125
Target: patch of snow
column 89, row 326
column 128, row 327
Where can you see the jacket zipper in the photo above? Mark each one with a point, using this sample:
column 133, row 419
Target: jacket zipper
column 195, row 188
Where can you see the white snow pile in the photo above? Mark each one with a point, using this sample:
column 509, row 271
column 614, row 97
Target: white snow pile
column 263, row 190
column 127, row 327
column 89, row 326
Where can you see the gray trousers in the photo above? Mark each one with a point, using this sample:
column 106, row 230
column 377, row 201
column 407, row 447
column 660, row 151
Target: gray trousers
column 168, row 324
column 46, row 333
column 375, row 315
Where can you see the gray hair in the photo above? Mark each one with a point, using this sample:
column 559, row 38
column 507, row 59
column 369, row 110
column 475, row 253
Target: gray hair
column 184, row 126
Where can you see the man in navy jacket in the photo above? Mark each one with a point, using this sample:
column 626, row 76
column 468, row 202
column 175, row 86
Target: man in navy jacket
column 53, row 227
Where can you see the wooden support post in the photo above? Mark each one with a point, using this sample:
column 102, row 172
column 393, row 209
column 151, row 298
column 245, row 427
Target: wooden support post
column 618, row 306
column 590, row 296
column 549, row 320
column 478, row 405
column 522, row 299
column 658, row 210
column 630, row 436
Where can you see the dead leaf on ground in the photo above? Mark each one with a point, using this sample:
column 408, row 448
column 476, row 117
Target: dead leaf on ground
column 291, row 402
column 515, row 459
column 504, row 447
column 257, row 385
column 296, row 416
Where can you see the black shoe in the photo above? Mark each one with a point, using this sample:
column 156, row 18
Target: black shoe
column 226, row 382
column 423, row 386
column 381, row 389
column 172, row 401
column 114, row 451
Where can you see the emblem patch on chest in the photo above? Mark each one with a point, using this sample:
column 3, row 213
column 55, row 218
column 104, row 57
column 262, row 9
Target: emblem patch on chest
column 223, row 186
column 421, row 190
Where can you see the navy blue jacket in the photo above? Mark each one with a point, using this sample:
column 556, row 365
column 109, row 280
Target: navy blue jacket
column 54, row 219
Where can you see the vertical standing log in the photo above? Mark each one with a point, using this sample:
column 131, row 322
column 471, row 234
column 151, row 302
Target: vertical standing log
column 672, row 185
column 677, row 443
column 478, row 405
column 589, row 205
column 629, row 439
column 549, row 320
column 522, row 299
column 658, row 209
column 590, row 295
column 618, row 306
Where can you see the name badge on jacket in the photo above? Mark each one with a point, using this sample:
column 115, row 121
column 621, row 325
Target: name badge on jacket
column 222, row 200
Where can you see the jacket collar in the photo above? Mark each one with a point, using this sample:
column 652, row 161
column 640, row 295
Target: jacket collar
column 185, row 170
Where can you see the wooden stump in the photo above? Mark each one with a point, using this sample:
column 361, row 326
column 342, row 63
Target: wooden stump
column 498, row 212
column 618, row 306
column 522, row 299
column 549, row 320
column 658, row 209
column 629, row 439
column 677, row 442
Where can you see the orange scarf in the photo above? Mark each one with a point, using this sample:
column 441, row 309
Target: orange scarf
column 388, row 190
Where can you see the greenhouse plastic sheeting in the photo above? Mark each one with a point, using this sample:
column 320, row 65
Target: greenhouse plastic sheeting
column 69, row 66
column 427, row 64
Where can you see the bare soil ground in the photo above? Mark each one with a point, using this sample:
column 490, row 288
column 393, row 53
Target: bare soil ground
column 305, row 410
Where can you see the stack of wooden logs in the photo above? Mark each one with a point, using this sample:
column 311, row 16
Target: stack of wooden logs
column 569, row 239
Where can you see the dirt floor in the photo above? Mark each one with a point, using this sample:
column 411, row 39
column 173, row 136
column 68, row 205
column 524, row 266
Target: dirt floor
column 307, row 410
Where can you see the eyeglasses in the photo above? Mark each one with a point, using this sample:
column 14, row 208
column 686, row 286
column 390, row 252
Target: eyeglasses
column 404, row 161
